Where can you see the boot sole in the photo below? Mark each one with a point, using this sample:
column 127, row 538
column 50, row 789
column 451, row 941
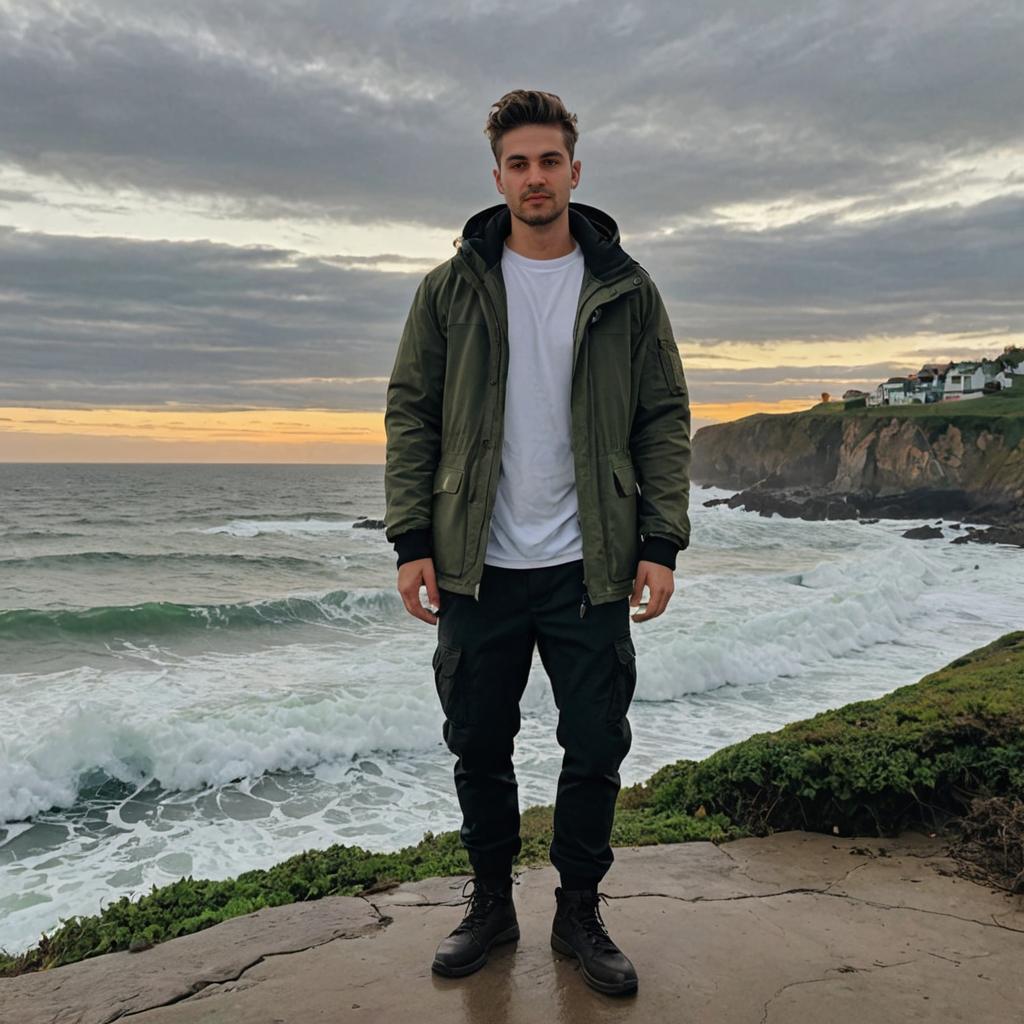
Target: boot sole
column 607, row 987
column 509, row 935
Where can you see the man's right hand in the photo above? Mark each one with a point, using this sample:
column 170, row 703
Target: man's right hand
column 413, row 575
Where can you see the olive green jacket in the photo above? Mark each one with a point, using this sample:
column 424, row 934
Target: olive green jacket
column 629, row 408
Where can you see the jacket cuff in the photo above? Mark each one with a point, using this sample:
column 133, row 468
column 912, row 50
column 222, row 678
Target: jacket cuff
column 660, row 550
column 414, row 544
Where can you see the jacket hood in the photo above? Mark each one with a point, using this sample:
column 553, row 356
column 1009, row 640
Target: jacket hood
column 595, row 231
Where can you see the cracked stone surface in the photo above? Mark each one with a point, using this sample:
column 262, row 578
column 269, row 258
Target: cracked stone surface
column 107, row 988
column 757, row 930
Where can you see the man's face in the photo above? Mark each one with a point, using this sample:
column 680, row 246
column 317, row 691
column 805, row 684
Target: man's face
column 535, row 174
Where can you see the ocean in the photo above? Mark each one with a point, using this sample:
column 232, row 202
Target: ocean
column 206, row 668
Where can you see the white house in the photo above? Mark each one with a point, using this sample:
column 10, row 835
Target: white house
column 950, row 382
column 964, row 378
column 897, row 391
column 1000, row 373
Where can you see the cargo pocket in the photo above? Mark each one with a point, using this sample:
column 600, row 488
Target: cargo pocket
column 449, row 513
column 624, row 684
column 446, row 662
column 620, row 516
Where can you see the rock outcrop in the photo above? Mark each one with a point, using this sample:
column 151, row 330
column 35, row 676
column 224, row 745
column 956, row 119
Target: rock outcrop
column 834, row 465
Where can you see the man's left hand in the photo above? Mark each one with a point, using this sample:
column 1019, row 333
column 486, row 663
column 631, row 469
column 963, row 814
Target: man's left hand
column 659, row 581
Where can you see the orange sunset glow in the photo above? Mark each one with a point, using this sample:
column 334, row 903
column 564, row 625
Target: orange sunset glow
column 246, row 435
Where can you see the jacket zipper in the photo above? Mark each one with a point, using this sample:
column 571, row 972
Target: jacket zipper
column 481, row 290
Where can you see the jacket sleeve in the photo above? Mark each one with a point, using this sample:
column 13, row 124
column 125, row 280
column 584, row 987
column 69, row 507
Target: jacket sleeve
column 660, row 441
column 412, row 423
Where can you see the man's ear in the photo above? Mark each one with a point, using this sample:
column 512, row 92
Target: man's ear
column 497, row 179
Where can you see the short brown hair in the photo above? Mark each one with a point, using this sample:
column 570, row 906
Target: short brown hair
column 529, row 106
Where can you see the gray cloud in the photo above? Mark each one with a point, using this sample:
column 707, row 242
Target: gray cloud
column 366, row 113
column 119, row 321
column 946, row 270
column 362, row 111
column 94, row 320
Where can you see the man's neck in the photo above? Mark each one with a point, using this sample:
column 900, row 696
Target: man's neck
column 544, row 242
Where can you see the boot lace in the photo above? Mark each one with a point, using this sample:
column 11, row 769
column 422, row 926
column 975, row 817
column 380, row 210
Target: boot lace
column 481, row 902
column 589, row 917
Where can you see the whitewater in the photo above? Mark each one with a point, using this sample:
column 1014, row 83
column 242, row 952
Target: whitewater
column 207, row 669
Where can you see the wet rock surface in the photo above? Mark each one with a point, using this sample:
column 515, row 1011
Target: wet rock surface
column 368, row 524
column 811, row 504
column 760, row 929
column 923, row 533
column 1013, row 535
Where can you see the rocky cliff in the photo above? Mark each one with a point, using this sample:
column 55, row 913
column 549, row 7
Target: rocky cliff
column 880, row 462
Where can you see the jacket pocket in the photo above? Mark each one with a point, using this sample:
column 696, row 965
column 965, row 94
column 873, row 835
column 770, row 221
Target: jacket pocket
column 619, row 514
column 448, row 479
column 672, row 366
column 624, row 684
column 446, row 662
column 449, row 512
column 625, row 479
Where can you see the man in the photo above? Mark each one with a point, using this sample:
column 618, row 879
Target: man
column 536, row 384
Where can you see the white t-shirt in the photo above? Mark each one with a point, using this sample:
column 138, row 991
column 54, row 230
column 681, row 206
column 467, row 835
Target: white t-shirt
column 534, row 520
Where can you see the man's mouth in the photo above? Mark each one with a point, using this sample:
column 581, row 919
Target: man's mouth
column 535, row 199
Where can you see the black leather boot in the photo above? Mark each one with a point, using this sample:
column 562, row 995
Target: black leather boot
column 490, row 919
column 579, row 931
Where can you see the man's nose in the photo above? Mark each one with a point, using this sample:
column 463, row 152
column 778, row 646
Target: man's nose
column 536, row 177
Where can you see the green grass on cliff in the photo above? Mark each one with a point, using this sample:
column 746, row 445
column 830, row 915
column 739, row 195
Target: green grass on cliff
column 1002, row 413
column 914, row 757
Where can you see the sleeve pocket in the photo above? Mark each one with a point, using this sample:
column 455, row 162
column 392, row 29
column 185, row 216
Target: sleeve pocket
column 672, row 366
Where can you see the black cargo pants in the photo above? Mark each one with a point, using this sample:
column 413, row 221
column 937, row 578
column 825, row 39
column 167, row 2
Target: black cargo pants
column 481, row 665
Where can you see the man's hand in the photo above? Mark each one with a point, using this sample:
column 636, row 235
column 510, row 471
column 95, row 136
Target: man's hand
column 412, row 575
column 661, row 583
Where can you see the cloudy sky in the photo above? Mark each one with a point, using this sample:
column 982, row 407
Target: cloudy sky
column 213, row 216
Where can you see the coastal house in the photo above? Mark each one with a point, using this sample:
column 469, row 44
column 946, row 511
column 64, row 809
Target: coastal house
column 928, row 385
column 963, row 379
column 998, row 374
column 937, row 371
column 897, row 391
column 946, row 382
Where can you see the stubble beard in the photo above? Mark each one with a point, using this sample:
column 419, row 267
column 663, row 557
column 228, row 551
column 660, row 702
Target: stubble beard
column 537, row 220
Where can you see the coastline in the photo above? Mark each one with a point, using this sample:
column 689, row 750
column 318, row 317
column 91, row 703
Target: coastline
column 977, row 527
column 964, row 461
column 912, row 758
